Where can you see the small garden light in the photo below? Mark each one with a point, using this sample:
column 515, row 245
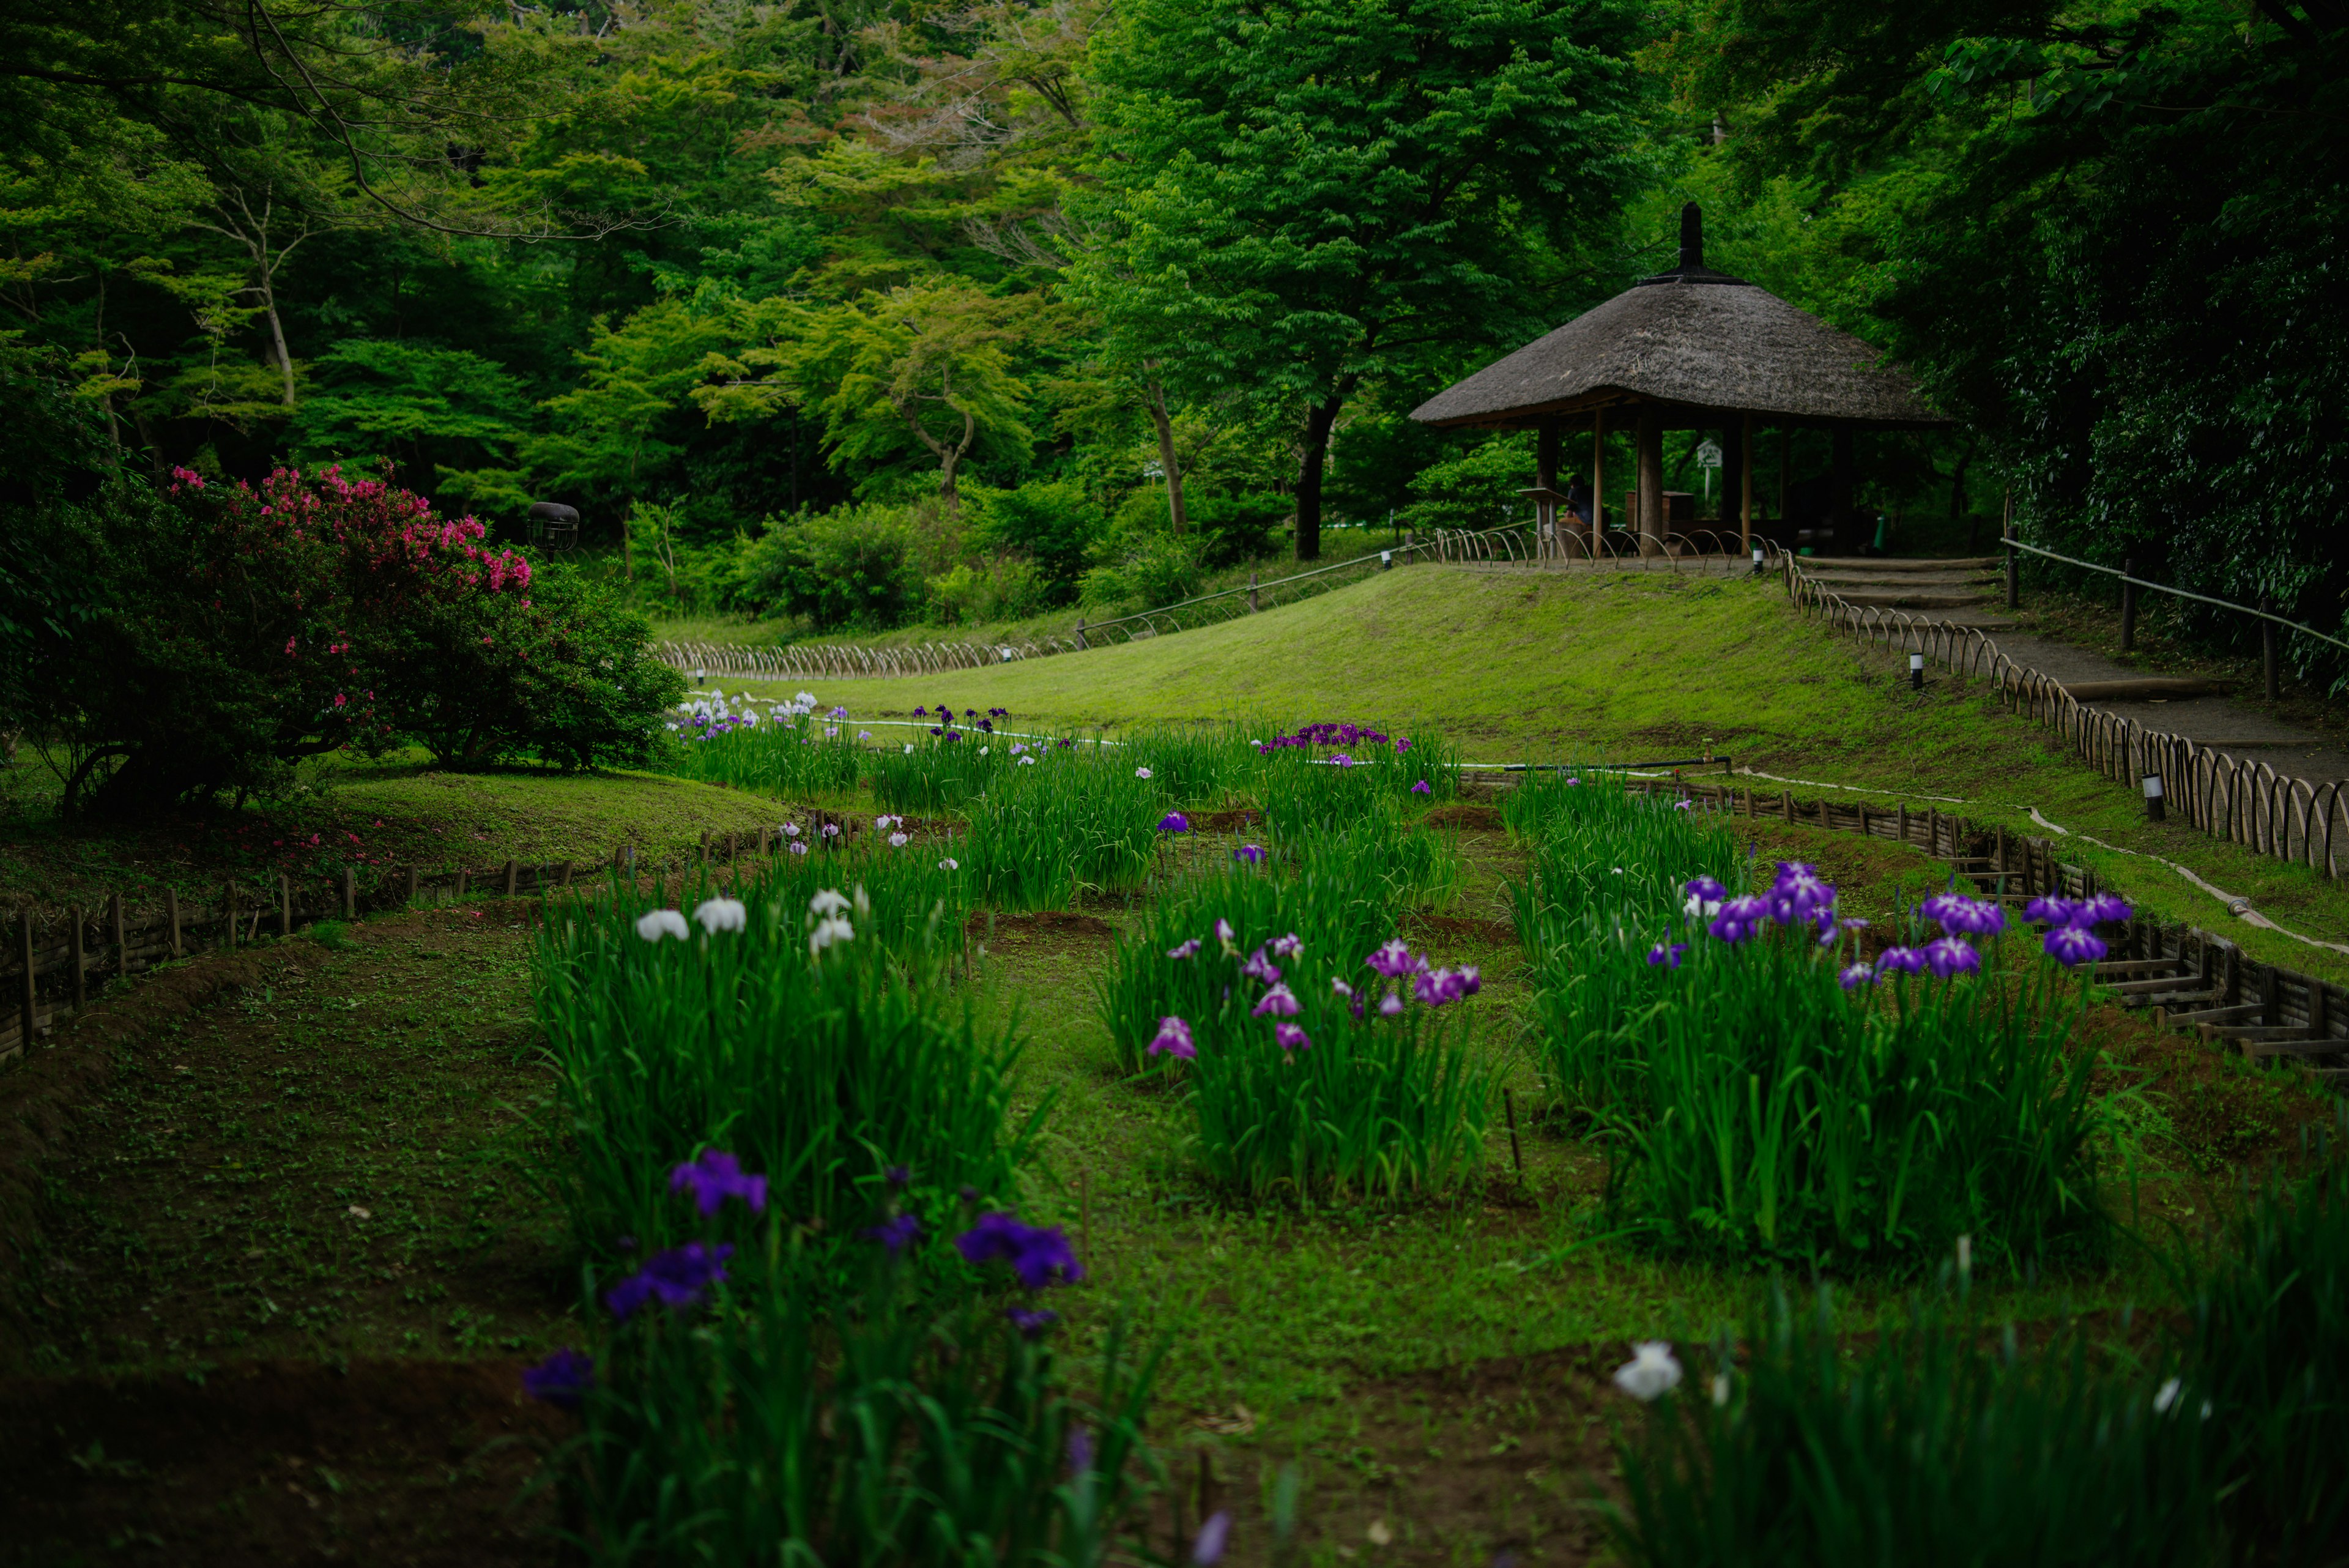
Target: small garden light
column 2154, row 811
column 1916, row 672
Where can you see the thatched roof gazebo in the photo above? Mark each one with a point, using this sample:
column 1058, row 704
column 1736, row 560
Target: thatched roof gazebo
column 1691, row 349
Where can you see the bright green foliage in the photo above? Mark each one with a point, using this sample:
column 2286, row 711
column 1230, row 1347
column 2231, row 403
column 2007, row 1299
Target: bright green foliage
column 774, row 1430
column 1758, row 1109
column 1328, row 190
column 823, row 1070
column 1927, row 1447
column 791, row 758
column 1373, row 1106
column 858, row 567
column 1071, row 821
column 430, row 410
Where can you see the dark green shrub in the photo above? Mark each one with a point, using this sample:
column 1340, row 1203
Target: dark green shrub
column 1055, row 526
column 858, row 567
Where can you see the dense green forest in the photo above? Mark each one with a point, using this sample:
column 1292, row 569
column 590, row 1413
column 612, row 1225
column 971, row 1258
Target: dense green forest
column 860, row 312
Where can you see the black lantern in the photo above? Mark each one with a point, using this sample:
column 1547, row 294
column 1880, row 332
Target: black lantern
column 554, row 526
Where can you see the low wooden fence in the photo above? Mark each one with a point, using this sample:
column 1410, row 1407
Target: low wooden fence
column 59, row 962
column 811, row 662
column 2239, row 799
column 2195, row 980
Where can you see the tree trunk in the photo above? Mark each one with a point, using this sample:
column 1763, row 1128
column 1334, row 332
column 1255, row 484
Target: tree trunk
column 1319, row 421
column 277, row 336
column 1154, row 399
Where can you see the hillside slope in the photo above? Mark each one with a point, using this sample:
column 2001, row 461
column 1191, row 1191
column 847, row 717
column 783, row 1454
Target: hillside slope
column 1629, row 668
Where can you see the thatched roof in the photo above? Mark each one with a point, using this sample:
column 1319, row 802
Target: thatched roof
column 1696, row 338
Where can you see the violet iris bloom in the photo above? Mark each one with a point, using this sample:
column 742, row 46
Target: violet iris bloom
column 675, row 1278
column 1278, row 1002
column 1855, row 975
column 2053, row 910
column 896, row 1233
column 1173, row 1038
column 717, row 1176
column 1251, row 853
column 1948, row 956
column 1421, row 788
column 1184, row 950
column 1291, row 1037
column 1395, row 959
column 2073, row 946
column 1292, row 946
column 1039, row 1254
column 2102, row 909
column 1900, row 960
column 1173, row 822
column 1032, row 1324
column 1739, row 918
column 562, row 1380
column 1663, row 957
column 1260, row 967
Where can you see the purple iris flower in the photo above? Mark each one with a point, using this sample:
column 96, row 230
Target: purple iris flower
column 923, row 714
column 1394, row 960
column 1958, row 915
column 1031, row 1324
column 2073, row 946
column 1174, row 822
column 1901, row 960
column 1292, row 946
column 1173, row 1038
column 676, row 1278
column 1208, row 1549
column 1260, row 967
column 894, row 1233
column 1444, row 985
column 1948, row 956
column 1251, row 853
column 1666, row 957
column 1421, row 788
column 562, row 1380
column 1278, row 1002
column 1184, row 950
column 1855, row 975
column 986, row 726
column 1081, row 1450
column 2053, row 910
column 717, row 1176
column 1798, row 894
column 999, row 713
column 2102, row 909
column 1708, row 888
column 1291, row 1037
column 898, row 1174
column 1390, row 1005
column 1740, row 917
column 1039, row 1254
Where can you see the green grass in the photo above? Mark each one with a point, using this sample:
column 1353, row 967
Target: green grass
column 1633, row 668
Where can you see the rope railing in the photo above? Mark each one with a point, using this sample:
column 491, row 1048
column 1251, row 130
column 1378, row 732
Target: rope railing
column 2239, row 799
column 2255, row 613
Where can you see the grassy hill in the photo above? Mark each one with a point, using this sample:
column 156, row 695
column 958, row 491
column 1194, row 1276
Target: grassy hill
column 1629, row 667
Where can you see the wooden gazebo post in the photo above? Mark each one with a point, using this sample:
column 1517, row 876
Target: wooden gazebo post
column 1745, row 487
column 1598, row 478
column 1652, row 479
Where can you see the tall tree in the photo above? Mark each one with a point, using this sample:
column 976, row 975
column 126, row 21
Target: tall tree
column 1306, row 193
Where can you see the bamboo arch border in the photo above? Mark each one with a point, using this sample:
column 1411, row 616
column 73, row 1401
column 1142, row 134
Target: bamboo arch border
column 2239, row 799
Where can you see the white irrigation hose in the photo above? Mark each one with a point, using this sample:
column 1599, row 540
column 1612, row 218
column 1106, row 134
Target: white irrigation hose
column 2241, row 907
column 1857, row 789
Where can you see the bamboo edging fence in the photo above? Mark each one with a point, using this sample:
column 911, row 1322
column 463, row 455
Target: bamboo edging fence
column 2239, row 799
column 57, row 965
column 2194, row 980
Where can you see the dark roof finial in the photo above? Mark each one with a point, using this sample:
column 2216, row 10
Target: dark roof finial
column 1692, row 238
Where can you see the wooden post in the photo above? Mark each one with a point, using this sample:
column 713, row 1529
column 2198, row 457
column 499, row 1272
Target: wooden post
column 513, row 877
column 1903, row 810
column 729, row 849
column 457, row 894
column 1597, row 528
column 28, row 998
column 1826, row 823
column 2232, row 996
column 1862, row 809
column 171, row 919
column 1252, row 599
column 1652, row 522
column 80, row 961
column 1932, row 830
column 762, row 842
column 1745, row 488
column 566, row 874
column 122, row 942
column 284, row 905
column 1787, row 806
column 2269, row 671
column 2128, row 605
column 350, row 894
column 705, row 846
column 2006, row 536
column 408, row 885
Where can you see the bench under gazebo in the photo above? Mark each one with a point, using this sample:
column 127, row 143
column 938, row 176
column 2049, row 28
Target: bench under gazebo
column 1691, row 349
